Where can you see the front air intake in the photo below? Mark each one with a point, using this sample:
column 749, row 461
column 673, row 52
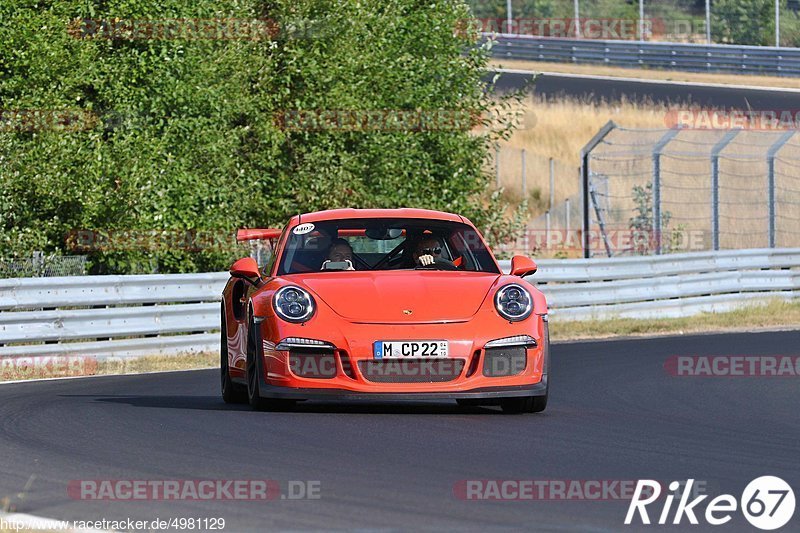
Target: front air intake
column 311, row 363
column 411, row 371
column 504, row 361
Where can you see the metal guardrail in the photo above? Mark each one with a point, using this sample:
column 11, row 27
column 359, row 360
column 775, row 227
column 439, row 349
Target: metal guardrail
column 736, row 59
column 147, row 314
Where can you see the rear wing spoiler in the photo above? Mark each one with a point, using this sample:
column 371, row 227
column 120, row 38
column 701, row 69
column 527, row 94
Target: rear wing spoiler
column 262, row 243
column 257, row 234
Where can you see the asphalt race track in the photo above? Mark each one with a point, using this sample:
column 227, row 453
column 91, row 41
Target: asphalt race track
column 612, row 90
column 614, row 414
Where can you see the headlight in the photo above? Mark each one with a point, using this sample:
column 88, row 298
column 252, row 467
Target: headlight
column 513, row 302
column 293, row 304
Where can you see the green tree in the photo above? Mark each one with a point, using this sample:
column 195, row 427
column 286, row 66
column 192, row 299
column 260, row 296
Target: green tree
column 187, row 133
column 751, row 22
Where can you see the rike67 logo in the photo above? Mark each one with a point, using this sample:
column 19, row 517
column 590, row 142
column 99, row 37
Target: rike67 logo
column 767, row 503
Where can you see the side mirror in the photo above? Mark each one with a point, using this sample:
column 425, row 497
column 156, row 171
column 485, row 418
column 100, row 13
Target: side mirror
column 246, row 268
column 522, row 266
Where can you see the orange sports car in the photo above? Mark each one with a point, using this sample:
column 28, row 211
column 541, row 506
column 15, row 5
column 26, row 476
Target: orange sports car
column 382, row 304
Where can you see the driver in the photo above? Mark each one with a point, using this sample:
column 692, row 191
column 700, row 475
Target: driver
column 427, row 251
column 340, row 251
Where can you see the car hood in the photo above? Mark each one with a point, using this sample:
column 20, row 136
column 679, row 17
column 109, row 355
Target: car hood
column 402, row 297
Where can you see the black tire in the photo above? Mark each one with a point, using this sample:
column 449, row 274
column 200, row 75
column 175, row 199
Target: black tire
column 532, row 404
column 253, row 382
column 524, row 404
column 231, row 392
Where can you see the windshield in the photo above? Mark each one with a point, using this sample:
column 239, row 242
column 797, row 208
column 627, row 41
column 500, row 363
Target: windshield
column 384, row 244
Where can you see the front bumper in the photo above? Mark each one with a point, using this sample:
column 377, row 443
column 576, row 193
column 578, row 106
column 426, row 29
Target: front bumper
column 271, row 391
column 278, row 380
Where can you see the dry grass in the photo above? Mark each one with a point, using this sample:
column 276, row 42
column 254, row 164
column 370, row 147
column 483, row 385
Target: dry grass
column 119, row 365
column 558, row 129
column 619, row 72
column 775, row 314
column 159, row 363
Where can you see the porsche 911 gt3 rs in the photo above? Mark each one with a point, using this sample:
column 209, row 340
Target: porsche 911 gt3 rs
column 382, row 304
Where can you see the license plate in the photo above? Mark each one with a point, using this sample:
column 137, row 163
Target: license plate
column 410, row 349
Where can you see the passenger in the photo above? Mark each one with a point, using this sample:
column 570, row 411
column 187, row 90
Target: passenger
column 339, row 251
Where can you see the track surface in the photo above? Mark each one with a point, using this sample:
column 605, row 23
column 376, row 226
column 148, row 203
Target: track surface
column 614, row 414
column 612, row 90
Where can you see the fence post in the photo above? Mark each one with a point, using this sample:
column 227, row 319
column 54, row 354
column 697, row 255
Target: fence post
column 497, row 165
column 773, row 151
column 552, row 183
column 524, row 178
column 715, row 185
column 566, row 216
column 585, row 174
column 547, row 230
column 38, row 263
column 657, row 149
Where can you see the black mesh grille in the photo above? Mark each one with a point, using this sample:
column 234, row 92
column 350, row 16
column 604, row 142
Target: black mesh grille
column 504, row 361
column 316, row 364
column 411, row 371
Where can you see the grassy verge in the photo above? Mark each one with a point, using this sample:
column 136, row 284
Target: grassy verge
column 776, row 314
column 666, row 75
column 75, row 365
column 159, row 363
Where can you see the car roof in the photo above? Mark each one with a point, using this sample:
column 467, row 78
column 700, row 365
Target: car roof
column 339, row 214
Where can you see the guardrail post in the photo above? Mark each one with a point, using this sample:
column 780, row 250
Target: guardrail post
column 773, row 151
column 727, row 138
column 585, row 172
column 657, row 149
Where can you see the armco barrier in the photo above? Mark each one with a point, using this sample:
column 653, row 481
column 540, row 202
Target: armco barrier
column 137, row 315
column 735, row 59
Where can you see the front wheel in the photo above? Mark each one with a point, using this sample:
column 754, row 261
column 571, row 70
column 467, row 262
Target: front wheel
column 253, row 382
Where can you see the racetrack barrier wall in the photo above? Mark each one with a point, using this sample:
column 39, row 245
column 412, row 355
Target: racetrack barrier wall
column 734, row 59
column 124, row 316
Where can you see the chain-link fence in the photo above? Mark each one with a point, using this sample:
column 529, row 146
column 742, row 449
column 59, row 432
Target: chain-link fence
column 670, row 190
column 41, row 265
column 524, row 175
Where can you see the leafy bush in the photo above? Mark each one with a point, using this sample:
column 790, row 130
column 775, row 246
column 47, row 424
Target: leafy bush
column 737, row 22
column 184, row 132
